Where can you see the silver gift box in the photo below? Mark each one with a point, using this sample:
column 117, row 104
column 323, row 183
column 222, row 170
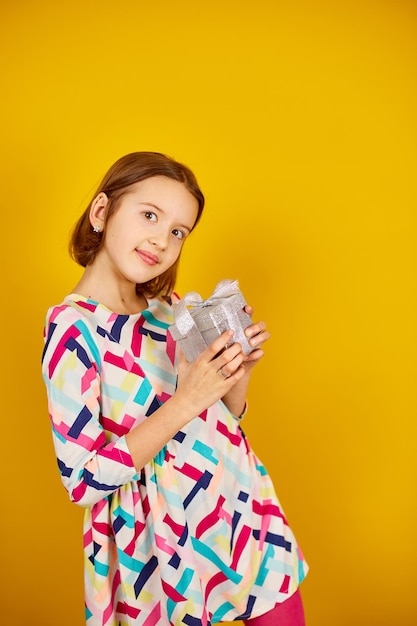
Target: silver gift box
column 198, row 322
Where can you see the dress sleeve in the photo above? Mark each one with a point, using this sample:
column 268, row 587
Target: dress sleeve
column 90, row 467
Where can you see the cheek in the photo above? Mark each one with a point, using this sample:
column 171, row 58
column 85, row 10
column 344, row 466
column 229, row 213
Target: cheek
column 175, row 252
column 115, row 233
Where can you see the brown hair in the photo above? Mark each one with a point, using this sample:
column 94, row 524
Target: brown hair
column 128, row 170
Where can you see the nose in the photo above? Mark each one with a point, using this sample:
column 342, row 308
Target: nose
column 159, row 240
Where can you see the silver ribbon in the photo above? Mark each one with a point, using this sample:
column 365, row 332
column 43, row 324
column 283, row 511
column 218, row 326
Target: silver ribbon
column 198, row 322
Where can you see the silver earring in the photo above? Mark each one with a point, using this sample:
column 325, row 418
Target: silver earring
column 96, row 228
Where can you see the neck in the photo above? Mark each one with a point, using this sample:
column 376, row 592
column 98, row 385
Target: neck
column 121, row 299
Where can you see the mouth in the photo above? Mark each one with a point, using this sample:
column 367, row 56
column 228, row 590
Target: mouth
column 147, row 257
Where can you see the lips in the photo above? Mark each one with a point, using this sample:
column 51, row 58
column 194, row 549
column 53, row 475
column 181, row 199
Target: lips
column 148, row 257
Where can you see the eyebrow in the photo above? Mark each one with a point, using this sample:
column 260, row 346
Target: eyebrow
column 155, row 206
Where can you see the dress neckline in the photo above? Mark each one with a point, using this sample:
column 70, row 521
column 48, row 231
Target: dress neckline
column 76, row 297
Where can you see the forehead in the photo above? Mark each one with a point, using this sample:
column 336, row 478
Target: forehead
column 169, row 195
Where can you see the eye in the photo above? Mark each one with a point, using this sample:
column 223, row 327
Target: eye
column 151, row 216
column 178, row 233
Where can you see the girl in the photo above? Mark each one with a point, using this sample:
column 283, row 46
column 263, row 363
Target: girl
column 182, row 524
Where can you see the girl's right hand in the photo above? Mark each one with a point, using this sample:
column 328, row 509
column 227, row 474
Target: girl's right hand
column 211, row 375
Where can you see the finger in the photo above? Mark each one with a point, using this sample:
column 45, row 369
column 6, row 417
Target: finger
column 254, row 329
column 230, row 360
column 254, row 356
column 228, row 354
column 218, row 345
column 248, row 309
column 223, row 373
column 254, row 333
column 259, row 339
column 232, row 371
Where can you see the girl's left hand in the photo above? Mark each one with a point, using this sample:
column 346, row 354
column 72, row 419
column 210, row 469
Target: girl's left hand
column 235, row 398
column 257, row 335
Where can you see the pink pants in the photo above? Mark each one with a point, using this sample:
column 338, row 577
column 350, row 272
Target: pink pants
column 288, row 613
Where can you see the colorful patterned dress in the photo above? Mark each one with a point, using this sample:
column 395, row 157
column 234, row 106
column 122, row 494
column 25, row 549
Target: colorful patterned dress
column 196, row 537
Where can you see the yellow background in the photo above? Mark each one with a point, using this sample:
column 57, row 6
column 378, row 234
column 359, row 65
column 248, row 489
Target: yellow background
column 299, row 119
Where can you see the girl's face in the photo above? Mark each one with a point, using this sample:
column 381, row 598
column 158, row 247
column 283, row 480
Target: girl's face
column 145, row 234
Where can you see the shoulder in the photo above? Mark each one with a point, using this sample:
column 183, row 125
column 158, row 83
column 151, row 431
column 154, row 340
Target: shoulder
column 68, row 313
column 67, row 324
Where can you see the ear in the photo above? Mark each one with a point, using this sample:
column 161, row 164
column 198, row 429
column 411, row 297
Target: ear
column 98, row 211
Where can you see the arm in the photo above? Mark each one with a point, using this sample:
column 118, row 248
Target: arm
column 200, row 385
column 90, row 467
